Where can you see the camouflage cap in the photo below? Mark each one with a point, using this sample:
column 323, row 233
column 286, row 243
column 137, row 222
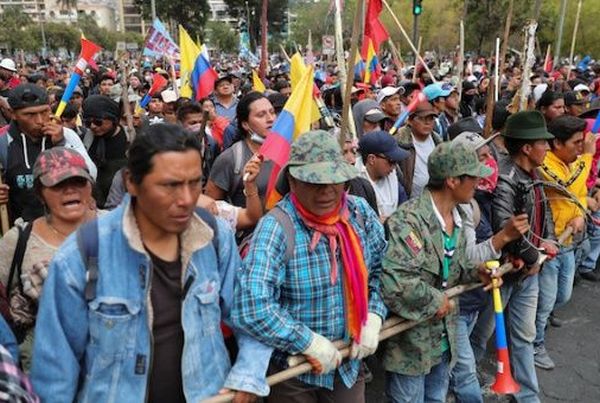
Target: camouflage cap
column 59, row 164
column 316, row 157
column 450, row 160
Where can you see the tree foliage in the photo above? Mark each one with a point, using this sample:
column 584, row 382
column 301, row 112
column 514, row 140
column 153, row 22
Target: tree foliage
column 191, row 14
column 221, row 36
column 18, row 31
column 249, row 11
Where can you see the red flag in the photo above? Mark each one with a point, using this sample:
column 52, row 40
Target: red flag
column 374, row 29
column 548, row 62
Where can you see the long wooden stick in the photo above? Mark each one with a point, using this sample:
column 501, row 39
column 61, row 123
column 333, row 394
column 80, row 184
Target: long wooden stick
column 497, row 72
column 461, row 58
column 415, row 78
column 410, row 43
column 506, row 35
column 347, row 118
column 574, row 39
column 390, row 327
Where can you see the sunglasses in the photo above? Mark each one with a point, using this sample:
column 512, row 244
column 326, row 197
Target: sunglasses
column 93, row 121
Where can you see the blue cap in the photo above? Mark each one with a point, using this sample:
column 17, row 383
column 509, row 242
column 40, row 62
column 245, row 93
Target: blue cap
column 383, row 143
column 433, row 91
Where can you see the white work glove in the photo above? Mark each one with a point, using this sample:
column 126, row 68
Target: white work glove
column 369, row 338
column 322, row 355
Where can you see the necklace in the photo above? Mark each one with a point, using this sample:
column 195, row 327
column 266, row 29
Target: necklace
column 55, row 230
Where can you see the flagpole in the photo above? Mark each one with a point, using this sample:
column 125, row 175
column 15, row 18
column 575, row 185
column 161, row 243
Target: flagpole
column 461, row 57
column 506, row 34
column 573, row 40
column 419, row 43
column 497, row 71
column 410, row 43
column 347, row 72
column 263, row 40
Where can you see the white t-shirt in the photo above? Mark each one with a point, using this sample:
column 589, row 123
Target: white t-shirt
column 421, row 175
column 386, row 190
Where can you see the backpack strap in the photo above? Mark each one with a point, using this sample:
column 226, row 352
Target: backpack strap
column 17, row 262
column 238, row 165
column 87, row 242
column 288, row 229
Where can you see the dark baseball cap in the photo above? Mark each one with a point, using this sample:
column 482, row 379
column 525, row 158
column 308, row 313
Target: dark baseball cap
column 574, row 98
column 382, row 143
column 424, row 109
column 58, row 164
column 26, row 95
column 469, row 124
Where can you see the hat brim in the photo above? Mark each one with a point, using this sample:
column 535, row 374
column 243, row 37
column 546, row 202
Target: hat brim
column 375, row 118
column 538, row 134
column 49, row 181
column 482, row 171
column 320, row 173
column 397, row 155
column 423, row 114
column 324, row 173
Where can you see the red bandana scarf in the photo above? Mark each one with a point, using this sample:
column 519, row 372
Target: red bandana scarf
column 337, row 228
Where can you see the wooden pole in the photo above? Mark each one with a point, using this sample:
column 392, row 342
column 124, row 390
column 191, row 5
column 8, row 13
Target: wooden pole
column 390, row 327
column 561, row 24
column 506, row 35
column 461, row 58
column 263, row 39
column 497, row 72
column 410, row 43
column 529, row 55
column 574, row 39
column 347, row 118
column 415, row 78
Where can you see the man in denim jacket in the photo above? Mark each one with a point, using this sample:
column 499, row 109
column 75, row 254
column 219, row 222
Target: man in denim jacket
column 152, row 330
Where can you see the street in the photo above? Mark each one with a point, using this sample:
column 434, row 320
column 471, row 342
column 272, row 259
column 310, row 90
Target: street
column 573, row 347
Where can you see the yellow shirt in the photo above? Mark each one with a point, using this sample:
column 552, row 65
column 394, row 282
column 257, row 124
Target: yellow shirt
column 573, row 178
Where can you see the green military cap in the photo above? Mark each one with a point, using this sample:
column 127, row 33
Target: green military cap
column 527, row 125
column 452, row 159
column 316, row 157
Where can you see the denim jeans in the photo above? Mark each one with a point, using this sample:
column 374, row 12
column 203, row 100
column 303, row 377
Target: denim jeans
column 556, row 286
column 463, row 377
column 521, row 299
column 588, row 262
column 431, row 387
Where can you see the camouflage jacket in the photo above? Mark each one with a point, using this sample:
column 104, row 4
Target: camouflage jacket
column 412, row 285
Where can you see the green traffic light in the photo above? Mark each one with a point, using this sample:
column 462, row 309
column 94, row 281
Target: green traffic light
column 417, row 10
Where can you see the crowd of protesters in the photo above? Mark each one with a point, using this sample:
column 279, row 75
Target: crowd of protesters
column 142, row 263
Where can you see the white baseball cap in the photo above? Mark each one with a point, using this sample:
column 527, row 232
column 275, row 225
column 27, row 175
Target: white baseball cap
column 386, row 92
column 582, row 87
column 8, row 64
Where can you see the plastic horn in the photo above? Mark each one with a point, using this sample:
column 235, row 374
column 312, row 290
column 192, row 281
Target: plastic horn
column 158, row 82
column 88, row 50
column 420, row 97
column 504, row 384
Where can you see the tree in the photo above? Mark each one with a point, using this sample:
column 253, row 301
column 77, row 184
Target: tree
column 250, row 11
column 221, row 36
column 191, row 14
column 13, row 23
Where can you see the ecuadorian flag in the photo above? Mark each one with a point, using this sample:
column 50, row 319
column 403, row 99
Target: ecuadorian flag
column 294, row 120
column 203, row 77
column 372, row 65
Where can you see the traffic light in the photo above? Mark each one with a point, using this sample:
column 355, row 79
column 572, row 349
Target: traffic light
column 417, row 7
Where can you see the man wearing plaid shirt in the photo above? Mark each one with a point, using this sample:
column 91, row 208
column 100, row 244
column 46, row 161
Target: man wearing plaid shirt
column 312, row 275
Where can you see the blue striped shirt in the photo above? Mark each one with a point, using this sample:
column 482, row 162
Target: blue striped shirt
column 280, row 303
